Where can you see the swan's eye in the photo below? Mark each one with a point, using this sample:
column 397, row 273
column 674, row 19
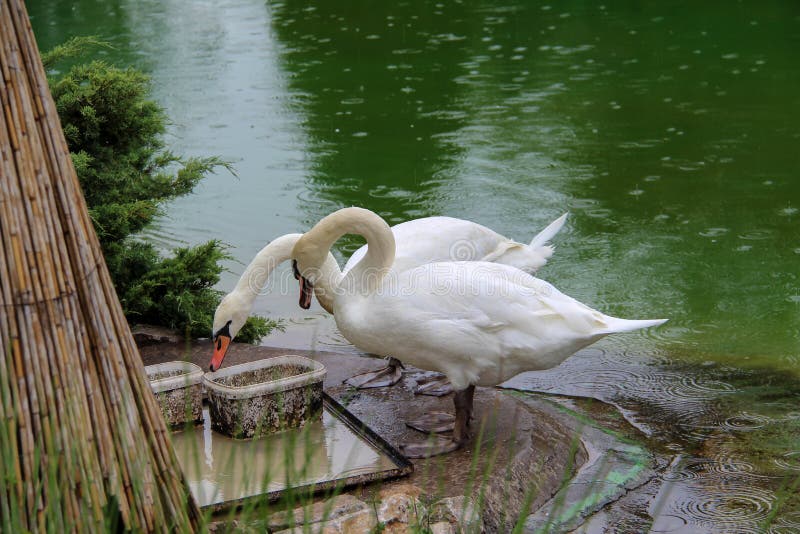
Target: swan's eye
column 295, row 270
column 224, row 331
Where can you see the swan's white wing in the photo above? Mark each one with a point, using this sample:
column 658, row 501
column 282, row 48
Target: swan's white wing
column 498, row 291
column 432, row 239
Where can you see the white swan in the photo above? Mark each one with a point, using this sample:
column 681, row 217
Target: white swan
column 479, row 323
column 433, row 239
column 419, row 241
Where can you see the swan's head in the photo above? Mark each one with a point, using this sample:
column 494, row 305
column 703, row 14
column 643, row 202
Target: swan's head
column 306, row 286
column 311, row 251
column 308, row 256
column 229, row 318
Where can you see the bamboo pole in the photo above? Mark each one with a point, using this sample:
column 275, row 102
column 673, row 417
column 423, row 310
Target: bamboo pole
column 81, row 434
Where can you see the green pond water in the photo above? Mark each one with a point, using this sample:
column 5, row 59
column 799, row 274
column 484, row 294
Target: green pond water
column 669, row 130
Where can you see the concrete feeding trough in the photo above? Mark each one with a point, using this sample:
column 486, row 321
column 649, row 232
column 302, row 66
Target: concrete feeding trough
column 258, row 398
column 179, row 390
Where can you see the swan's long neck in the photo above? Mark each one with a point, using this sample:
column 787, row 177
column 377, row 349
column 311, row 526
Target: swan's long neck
column 367, row 274
column 255, row 276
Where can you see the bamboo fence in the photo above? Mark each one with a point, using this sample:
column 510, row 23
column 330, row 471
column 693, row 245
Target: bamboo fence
column 81, row 436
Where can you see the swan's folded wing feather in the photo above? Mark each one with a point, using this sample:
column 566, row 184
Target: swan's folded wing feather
column 505, row 295
column 496, row 305
column 436, row 239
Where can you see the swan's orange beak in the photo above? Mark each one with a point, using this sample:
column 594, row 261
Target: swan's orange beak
column 306, row 287
column 221, row 343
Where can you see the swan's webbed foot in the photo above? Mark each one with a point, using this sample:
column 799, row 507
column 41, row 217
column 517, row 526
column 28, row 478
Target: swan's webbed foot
column 435, row 386
column 433, row 446
column 388, row 376
column 434, row 422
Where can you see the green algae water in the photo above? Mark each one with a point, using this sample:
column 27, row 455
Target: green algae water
column 669, row 130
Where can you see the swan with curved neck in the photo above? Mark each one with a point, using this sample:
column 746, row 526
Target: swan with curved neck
column 479, row 323
column 367, row 274
column 233, row 310
column 418, row 241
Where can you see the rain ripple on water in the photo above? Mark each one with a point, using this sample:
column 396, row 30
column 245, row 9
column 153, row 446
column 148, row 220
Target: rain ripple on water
column 711, row 490
column 790, row 461
column 729, row 507
column 665, row 397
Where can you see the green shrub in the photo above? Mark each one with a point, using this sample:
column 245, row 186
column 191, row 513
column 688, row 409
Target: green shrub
column 115, row 136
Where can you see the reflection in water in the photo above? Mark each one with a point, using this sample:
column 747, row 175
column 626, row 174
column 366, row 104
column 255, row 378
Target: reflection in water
column 220, row 469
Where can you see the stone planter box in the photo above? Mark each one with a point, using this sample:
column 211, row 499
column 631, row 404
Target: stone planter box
column 265, row 396
column 178, row 387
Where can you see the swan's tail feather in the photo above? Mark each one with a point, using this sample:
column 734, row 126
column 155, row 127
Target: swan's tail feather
column 616, row 325
column 548, row 233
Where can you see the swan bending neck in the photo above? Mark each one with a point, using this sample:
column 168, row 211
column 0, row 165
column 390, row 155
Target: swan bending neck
column 379, row 258
column 255, row 277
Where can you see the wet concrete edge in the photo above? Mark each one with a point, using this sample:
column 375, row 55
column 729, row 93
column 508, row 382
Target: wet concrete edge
column 616, row 466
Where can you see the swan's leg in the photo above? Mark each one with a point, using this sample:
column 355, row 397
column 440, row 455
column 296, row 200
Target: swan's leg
column 463, row 402
column 434, row 445
column 388, row 376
